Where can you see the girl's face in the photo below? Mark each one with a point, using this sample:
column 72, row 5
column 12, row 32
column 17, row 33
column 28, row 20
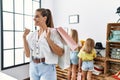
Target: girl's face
column 39, row 19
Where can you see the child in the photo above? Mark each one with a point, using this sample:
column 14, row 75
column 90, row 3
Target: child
column 86, row 56
column 73, row 57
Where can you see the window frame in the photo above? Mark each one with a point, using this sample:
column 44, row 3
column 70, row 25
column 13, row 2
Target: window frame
column 14, row 31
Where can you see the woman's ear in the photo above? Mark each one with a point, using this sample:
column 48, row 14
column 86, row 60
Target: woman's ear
column 45, row 18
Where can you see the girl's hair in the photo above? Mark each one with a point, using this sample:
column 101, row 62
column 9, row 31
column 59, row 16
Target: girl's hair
column 74, row 35
column 89, row 45
column 47, row 13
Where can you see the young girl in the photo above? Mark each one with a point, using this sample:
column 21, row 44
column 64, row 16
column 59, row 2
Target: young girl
column 86, row 56
column 73, row 57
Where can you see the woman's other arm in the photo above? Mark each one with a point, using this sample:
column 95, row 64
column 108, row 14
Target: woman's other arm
column 26, row 47
column 54, row 47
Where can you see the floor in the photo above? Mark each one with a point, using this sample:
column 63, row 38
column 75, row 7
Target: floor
column 62, row 75
column 95, row 78
column 102, row 77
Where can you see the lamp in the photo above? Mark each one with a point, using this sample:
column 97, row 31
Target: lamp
column 99, row 47
column 118, row 12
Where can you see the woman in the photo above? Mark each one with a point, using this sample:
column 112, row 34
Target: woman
column 43, row 47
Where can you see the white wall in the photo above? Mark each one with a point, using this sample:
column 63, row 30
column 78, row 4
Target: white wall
column 94, row 16
column 47, row 4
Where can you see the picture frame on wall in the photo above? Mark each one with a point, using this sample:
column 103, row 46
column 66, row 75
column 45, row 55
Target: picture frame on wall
column 74, row 19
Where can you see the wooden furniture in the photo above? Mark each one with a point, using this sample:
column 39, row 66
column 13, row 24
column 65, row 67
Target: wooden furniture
column 109, row 63
column 61, row 74
column 109, row 46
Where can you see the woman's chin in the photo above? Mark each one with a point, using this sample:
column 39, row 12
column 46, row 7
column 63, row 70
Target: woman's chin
column 36, row 24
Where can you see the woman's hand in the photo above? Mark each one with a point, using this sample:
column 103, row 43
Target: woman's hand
column 26, row 47
column 26, row 32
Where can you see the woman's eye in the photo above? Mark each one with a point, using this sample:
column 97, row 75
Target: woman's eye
column 36, row 16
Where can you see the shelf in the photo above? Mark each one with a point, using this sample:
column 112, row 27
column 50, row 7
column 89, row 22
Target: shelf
column 100, row 58
column 99, row 61
column 109, row 46
column 114, row 60
column 61, row 74
column 113, row 42
column 113, row 24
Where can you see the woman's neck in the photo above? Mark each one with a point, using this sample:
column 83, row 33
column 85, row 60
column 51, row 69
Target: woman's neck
column 44, row 26
column 40, row 32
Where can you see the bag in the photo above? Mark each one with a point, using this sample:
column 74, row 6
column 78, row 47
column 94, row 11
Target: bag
column 79, row 76
column 115, row 53
column 98, row 69
column 64, row 60
column 68, row 42
column 115, row 36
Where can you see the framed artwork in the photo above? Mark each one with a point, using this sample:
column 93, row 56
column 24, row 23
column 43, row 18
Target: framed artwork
column 73, row 19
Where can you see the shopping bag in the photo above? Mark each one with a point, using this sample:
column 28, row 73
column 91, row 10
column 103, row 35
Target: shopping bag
column 64, row 60
column 68, row 40
column 79, row 76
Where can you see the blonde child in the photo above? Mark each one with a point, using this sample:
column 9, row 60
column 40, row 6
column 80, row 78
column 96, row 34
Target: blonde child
column 73, row 57
column 86, row 56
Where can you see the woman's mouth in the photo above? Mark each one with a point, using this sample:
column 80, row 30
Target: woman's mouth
column 36, row 22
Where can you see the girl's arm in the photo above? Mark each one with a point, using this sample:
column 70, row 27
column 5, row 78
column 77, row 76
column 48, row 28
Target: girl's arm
column 79, row 64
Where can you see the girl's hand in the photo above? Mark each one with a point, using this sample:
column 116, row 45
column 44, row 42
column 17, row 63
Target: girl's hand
column 26, row 32
column 79, row 69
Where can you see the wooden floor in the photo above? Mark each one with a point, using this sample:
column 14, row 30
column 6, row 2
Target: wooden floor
column 62, row 75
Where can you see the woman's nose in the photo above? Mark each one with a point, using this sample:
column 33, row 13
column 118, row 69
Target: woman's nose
column 34, row 19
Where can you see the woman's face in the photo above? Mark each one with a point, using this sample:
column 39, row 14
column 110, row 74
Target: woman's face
column 39, row 19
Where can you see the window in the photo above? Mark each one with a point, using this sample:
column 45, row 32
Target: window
column 15, row 16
